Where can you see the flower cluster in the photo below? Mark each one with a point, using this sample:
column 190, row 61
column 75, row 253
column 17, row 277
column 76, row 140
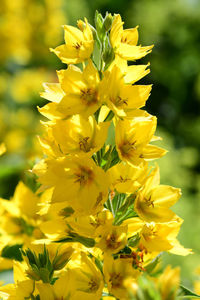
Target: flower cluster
column 100, row 217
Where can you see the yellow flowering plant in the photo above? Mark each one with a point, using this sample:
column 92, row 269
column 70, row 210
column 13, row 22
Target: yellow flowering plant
column 100, row 220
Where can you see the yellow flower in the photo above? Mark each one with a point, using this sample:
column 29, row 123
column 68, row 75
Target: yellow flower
column 21, row 289
column 61, row 289
column 113, row 239
column 76, row 135
column 168, row 283
column 91, row 226
column 20, row 221
column 133, row 137
column 119, row 276
column 157, row 237
column 78, row 44
column 81, row 89
column 77, row 93
column 135, row 225
column 153, row 200
column 126, row 178
column 124, row 41
column 88, row 280
column 122, row 98
column 79, row 182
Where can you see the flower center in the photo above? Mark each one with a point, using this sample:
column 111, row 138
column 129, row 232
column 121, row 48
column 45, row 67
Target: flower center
column 116, row 280
column 84, row 145
column 149, row 202
column 93, row 285
column 119, row 101
column 89, row 96
column 121, row 179
column 150, row 233
column 126, row 147
column 84, row 176
column 112, row 242
column 77, row 45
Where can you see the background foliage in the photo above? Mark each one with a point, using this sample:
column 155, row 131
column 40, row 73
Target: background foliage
column 29, row 28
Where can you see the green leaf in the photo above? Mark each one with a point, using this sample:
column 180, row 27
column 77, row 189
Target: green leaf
column 185, row 293
column 12, row 252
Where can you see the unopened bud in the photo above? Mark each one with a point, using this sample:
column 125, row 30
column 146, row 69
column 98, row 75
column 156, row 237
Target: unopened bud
column 62, row 259
column 108, row 22
column 81, row 25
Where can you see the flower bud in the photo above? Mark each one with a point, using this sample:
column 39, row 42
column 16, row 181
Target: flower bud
column 62, row 259
column 108, row 22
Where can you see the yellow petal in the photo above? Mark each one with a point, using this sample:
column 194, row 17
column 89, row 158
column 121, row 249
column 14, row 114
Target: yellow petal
column 53, row 92
column 116, row 31
column 50, row 111
column 135, row 73
column 178, row 249
column 73, row 35
column 131, row 52
column 165, row 195
column 130, row 36
column 150, row 152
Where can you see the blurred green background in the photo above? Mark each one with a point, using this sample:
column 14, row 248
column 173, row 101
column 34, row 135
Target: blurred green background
column 29, row 28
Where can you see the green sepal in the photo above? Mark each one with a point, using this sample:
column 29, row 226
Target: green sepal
column 100, row 29
column 152, row 265
column 134, row 240
column 41, row 267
